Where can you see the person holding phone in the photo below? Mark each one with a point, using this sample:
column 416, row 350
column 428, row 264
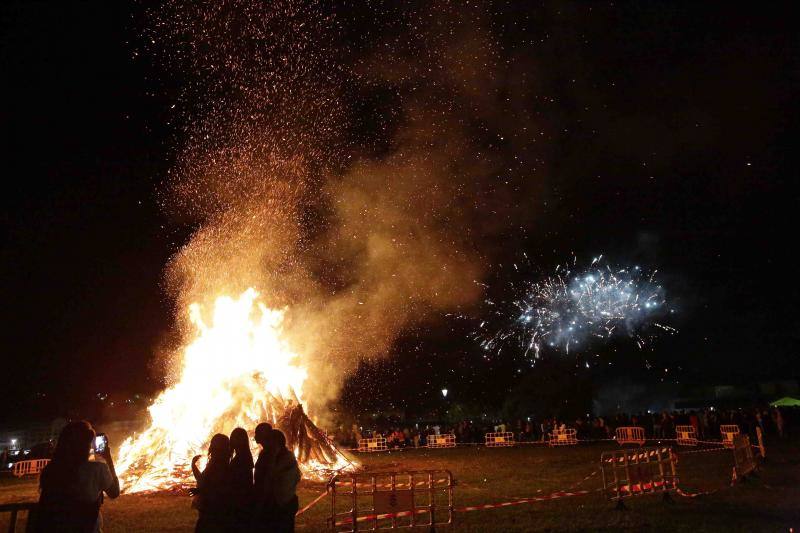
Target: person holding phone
column 72, row 486
column 214, row 487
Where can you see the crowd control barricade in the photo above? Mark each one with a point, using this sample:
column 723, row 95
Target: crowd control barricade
column 687, row 436
column 563, row 437
column 32, row 467
column 505, row 438
column 728, row 431
column 375, row 444
column 630, row 435
column 628, row 473
column 391, row 500
column 448, row 440
column 14, row 509
column 743, row 460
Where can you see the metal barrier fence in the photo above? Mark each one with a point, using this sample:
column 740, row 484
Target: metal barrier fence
column 375, row 444
column 563, row 437
column 638, row 472
column 14, row 509
column 760, row 439
column 505, row 438
column 448, row 440
column 728, row 431
column 687, row 436
column 31, row 467
column 630, row 435
column 391, row 500
column 743, row 460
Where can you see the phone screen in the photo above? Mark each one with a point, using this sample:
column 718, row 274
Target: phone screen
column 100, row 443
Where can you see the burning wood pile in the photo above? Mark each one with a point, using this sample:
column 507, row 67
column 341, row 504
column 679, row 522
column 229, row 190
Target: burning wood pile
column 237, row 372
column 315, row 452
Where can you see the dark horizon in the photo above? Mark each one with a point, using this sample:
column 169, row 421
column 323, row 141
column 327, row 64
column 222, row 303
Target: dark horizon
column 666, row 138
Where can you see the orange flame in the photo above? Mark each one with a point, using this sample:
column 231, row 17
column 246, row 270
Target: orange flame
column 237, row 371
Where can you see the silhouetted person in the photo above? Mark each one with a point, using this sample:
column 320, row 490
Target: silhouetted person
column 264, row 501
column 214, row 487
column 72, row 486
column 241, row 476
column 285, row 475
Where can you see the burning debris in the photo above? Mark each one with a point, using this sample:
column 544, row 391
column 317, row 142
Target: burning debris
column 316, row 453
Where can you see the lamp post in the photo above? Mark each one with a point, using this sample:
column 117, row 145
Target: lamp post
column 444, row 401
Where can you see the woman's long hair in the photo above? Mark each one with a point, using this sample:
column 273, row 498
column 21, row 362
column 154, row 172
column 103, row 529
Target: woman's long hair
column 72, row 451
column 219, row 451
column 240, row 443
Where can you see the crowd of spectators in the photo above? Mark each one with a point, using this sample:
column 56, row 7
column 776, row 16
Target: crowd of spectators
column 706, row 422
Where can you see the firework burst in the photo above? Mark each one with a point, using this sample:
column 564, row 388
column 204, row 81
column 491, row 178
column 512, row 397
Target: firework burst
column 574, row 306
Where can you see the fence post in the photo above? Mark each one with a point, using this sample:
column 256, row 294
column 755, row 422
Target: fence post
column 431, row 502
column 12, row 522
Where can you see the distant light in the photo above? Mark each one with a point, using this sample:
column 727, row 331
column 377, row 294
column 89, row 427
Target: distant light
column 444, row 393
column 13, row 441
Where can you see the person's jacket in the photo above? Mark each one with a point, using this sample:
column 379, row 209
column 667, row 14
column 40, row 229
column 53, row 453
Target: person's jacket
column 215, row 489
column 241, row 475
column 286, row 476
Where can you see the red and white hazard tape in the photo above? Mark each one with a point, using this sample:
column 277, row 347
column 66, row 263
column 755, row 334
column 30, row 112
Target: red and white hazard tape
column 638, row 488
column 717, row 442
column 587, row 478
column 383, row 516
column 704, row 450
column 528, row 443
column 681, row 492
column 553, row 496
column 312, row 504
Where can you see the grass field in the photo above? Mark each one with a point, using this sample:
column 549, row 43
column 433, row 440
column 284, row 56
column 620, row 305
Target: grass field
column 768, row 502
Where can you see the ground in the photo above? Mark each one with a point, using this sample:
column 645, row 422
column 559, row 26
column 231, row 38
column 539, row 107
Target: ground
column 766, row 502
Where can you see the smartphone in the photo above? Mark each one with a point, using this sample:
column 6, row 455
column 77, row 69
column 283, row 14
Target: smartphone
column 100, row 443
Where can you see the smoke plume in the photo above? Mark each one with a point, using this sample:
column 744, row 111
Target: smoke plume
column 354, row 174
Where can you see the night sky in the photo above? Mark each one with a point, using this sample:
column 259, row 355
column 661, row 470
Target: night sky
column 666, row 136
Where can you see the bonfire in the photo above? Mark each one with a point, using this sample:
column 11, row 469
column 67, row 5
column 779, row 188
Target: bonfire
column 237, row 371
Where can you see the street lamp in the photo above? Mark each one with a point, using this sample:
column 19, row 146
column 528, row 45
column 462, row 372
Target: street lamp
column 444, row 393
